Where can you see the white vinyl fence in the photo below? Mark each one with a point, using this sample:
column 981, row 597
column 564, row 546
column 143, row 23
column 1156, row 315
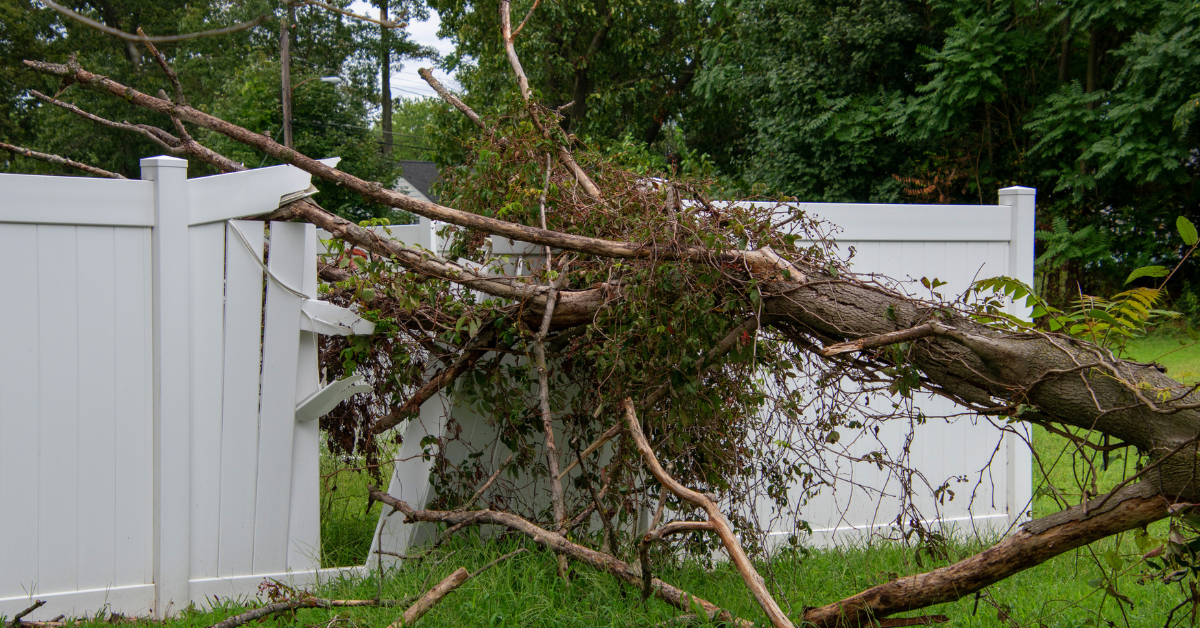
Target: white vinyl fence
column 159, row 385
column 157, row 446
column 954, row 243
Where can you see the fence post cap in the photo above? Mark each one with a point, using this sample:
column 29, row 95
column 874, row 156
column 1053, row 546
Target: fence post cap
column 163, row 161
column 1019, row 191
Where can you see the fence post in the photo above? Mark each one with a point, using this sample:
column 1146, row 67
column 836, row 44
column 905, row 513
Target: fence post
column 171, row 295
column 1023, row 202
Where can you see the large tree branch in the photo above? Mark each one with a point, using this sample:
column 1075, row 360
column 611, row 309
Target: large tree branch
column 760, row 262
column 165, row 39
column 1017, row 553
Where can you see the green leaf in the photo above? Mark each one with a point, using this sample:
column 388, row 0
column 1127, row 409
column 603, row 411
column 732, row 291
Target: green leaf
column 1148, row 271
column 1187, row 230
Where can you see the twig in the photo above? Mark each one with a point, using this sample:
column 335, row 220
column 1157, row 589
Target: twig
column 158, row 40
column 599, row 442
column 453, row 100
column 490, row 480
column 162, row 63
column 497, row 562
column 263, row 611
column 604, row 520
column 165, row 140
column 560, row 545
column 330, row 7
column 753, row 581
column 16, row 620
column 61, row 161
column 431, row 598
column 882, row 340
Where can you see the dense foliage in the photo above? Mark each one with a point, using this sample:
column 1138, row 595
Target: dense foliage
column 234, row 76
column 1092, row 103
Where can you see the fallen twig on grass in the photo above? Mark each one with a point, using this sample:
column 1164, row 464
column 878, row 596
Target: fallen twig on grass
column 16, row 620
column 431, row 598
column 559, row 544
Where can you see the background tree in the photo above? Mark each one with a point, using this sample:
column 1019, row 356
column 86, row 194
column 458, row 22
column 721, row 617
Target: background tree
column 625, row 67
column 235, row 75
column 945, row 101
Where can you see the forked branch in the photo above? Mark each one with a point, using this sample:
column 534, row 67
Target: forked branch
column 559, row 544
column 755, row 582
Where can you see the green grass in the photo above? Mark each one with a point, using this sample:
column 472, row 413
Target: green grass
column 1179, row 354
column 346, row 526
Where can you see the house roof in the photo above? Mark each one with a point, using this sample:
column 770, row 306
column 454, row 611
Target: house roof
column 420, row 175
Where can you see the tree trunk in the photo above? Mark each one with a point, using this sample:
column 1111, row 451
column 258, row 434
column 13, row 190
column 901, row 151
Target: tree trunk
column 285, row 58
column 385, row 63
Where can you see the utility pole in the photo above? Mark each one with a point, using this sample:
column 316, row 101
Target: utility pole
column 286, row 55
column 385, row 60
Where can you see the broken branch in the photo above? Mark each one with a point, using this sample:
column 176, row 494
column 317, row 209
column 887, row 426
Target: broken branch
column 559, row 544
column 60, row 161
column 754, row 582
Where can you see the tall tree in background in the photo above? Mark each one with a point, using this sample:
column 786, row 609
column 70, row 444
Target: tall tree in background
column 947, row 100
column 236, row 75
column 623, row 67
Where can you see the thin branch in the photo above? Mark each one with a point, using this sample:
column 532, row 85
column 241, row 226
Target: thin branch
column 16, row 620
column 165, row 140
column 165, row 39
column 599, row 442
column 754, row 582
column 431, row 598
column 60, row 161
column 497, row 561
column 162, row 63
column 490, row 480
column 527, row 16
column 559, row 544
column 452, row 99
column 330, row 7
column 523, row 82
column 678, row 527
column 613, row 542
column 443, row 378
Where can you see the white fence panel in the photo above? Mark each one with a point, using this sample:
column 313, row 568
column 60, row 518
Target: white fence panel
column 75, row 399
column 147, row 408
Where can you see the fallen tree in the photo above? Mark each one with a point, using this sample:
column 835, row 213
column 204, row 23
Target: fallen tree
column 676, row 308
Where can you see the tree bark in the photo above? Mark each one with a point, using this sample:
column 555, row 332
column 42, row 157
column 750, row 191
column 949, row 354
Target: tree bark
column 385, row 65
column 1012, row 555
column 285, row 62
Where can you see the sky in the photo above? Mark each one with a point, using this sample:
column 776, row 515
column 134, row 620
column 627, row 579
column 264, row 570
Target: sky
column 408, row 84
